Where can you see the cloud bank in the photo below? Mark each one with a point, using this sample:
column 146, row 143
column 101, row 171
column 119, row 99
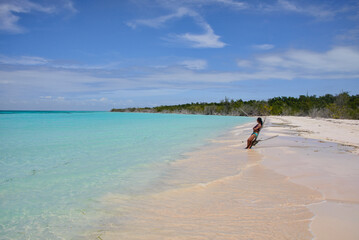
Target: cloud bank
column 336, row 63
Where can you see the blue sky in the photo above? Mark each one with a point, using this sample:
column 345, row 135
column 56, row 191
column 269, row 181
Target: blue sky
column 95, row 55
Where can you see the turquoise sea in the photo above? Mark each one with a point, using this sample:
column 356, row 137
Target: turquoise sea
column 55, row 166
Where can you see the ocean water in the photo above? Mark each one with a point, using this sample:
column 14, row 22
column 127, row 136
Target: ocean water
column 56, row 166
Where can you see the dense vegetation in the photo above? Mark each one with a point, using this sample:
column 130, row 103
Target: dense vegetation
column 328, row 106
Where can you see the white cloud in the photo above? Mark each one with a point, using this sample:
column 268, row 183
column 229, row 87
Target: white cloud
column 231, row 3
column 34, row 60
column 349, row 35
column 187, row 79
column 263, row 46
column 343, row 60
column 208, row 39
column 69, row 5
column 197, row 64
column 160, row 21
column 23, row 60
column 288, row 6
column 244, row 63
column 46, row 97
column 102, row 99
column 110, row 65
column 320, row 12
column 57, row 81
column 10, row 8
column 5, row 81
column 198, row 3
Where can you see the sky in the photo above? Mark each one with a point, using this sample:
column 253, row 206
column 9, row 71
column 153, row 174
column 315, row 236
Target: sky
column 100, row 54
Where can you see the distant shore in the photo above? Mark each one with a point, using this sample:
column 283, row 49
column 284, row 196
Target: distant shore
column 341, row 106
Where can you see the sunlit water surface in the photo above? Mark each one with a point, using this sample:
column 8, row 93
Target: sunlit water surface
column 56, row 166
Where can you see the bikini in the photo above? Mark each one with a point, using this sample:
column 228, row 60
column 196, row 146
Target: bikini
column 256, row 133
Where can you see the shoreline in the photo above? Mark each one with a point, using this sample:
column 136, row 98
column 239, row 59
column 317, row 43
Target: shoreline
column 219, row 191
column 288, row 186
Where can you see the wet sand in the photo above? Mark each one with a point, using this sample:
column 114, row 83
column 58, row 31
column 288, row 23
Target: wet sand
column 286, row 187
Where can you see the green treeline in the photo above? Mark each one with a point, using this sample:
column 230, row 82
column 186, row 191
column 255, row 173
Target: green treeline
column 328, row 106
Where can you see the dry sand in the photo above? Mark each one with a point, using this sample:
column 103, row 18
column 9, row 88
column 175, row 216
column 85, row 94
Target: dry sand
column 287, row 187
column 321, row 154
column 341, row 131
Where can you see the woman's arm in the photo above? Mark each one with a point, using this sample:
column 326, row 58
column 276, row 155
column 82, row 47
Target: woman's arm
column 256, row 128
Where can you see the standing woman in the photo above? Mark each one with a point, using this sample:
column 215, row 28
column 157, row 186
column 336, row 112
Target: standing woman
column 255, row 133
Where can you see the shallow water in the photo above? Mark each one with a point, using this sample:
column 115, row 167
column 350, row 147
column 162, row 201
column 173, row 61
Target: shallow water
column 56, row 167
column 219, row 191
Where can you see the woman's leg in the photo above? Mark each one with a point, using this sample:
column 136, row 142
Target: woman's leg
column 253, row 140
column 249, row 141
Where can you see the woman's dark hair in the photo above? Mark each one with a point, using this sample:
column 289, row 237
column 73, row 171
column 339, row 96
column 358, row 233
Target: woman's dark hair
column 260, row 120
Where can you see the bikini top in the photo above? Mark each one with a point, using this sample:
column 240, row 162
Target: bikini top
column 258, row 129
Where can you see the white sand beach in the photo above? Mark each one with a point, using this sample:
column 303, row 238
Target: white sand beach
column 321, row 154
column 294, row 184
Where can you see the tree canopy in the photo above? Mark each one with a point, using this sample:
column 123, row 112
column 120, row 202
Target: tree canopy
column 342, row 105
